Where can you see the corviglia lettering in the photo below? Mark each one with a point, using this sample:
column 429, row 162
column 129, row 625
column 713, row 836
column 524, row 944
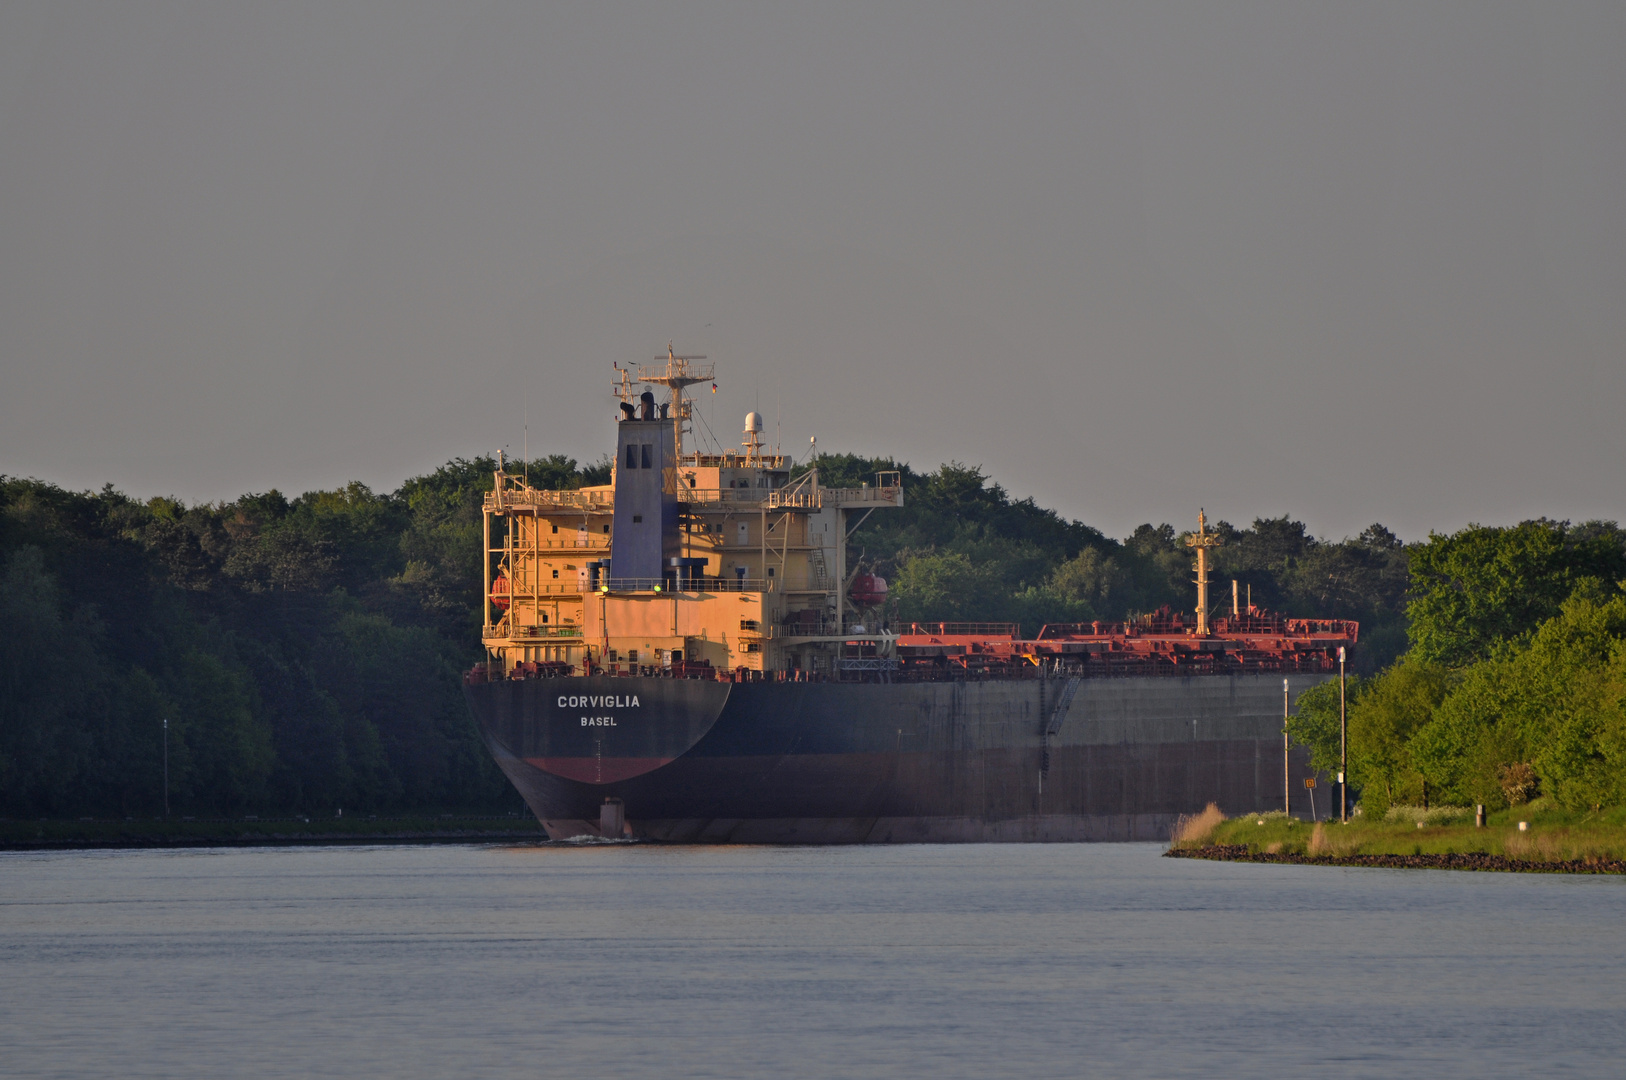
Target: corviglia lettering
column 597, row 701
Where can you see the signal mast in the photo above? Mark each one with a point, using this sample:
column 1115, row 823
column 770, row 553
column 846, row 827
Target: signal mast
column 675, row 374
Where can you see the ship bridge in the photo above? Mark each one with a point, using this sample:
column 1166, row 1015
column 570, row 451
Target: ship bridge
column 687, row 562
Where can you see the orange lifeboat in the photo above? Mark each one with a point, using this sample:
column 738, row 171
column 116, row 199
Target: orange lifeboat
column 869, row 590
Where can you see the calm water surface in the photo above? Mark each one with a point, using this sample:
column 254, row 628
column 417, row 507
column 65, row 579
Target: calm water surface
column 1010, row 960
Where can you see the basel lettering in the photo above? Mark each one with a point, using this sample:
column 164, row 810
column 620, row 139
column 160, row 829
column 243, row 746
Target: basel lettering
column 598, row 701
column 598, row 721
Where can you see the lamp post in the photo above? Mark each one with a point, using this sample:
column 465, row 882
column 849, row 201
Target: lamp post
column 1287, row 779
column 1343, row 746
column 166, row 768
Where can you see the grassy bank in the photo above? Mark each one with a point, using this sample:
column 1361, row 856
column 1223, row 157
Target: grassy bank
column 1550, row 835
column 18, row 835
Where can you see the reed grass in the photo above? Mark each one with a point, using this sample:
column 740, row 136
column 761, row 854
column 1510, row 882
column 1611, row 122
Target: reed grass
column 1195, row 829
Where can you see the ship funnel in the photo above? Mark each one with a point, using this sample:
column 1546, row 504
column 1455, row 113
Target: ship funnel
column 647, row 399
column 628, row 412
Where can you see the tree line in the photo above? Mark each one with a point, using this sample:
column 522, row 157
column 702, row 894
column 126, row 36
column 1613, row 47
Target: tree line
column 306, row 651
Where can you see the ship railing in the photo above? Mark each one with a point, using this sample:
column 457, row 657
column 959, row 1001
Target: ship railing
column 864, row 496
column 549, row 588
column 795, row 500
column 866, row 663
column 697, row 585
column 967, row 629
column 726, row 496
column 533, row 630
column 803, row 628
column 539, row 498
column 561, row 543
column 509, row 628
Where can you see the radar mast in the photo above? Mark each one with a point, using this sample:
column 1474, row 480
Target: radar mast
column 675, row 373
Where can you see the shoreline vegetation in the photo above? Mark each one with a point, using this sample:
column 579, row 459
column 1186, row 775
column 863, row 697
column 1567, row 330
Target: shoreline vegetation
column 102, row 834
column 288, row 657
column 1552, row 839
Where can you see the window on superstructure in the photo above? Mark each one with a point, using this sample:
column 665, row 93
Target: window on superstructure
column 632, row 455
column 556, row 573
column 644, row 447
column 556, row 530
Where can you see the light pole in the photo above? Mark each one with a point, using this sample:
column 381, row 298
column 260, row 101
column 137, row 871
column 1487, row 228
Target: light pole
column 166, row 768
column 1343, row 746
column 1287, row 780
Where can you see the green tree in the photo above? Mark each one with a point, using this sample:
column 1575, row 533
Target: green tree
column 1474, row 589
column 1390, row 708
column 1314, row 722
column 1552, row 703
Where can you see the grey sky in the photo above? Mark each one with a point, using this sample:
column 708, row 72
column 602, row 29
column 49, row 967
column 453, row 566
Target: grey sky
column 1351, row 262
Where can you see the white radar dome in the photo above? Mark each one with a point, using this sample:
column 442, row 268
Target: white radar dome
column 753, row 424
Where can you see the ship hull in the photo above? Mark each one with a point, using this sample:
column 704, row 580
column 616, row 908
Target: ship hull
column 827, row 763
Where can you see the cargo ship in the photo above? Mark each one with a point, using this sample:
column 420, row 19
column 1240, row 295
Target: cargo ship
column 685, row 655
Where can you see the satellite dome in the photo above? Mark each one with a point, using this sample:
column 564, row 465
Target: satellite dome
column 753, row 424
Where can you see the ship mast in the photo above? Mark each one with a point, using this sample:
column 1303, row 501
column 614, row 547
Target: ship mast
column 675, row 374
column 1202, row 540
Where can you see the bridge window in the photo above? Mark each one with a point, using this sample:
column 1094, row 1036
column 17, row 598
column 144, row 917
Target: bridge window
column 632, row 455
column 645, row 448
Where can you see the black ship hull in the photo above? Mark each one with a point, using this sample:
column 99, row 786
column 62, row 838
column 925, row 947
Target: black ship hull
column 823, row 763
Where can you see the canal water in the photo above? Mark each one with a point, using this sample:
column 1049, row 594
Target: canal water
column 1095, row 960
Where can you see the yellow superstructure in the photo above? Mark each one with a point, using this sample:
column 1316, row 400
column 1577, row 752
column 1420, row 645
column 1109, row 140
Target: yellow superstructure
column 764, row 576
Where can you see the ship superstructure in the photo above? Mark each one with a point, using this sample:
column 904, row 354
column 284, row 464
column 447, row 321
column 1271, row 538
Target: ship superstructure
column 686, row 563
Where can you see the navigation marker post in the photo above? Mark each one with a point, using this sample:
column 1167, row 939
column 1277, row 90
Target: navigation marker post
column 1287, row 776
column 166, row 768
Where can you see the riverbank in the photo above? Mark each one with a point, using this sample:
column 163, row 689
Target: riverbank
column 1531, row 838
column 16, row 835
column 1453, row 861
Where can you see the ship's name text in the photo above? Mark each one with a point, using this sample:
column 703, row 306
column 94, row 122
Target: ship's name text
column 598, row 701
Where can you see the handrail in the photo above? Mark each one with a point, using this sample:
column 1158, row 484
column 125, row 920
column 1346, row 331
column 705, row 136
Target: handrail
column 548, row 497
column 848, row 496
column 663, row 585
